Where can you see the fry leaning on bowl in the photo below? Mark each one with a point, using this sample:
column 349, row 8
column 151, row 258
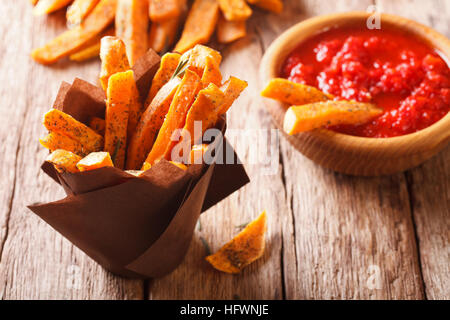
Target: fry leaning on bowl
column 347, row 153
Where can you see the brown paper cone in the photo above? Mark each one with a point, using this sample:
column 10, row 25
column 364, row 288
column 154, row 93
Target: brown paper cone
column 134, row 226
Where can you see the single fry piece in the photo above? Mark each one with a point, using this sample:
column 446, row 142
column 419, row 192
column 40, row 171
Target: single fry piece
column 72, row 40
column 91, row 49
column 169, row 63
column 204, row 110
column 79, row 9
column 179, row 165
column 117, row 109
column 151, row 121
column 200, row 24
column 164, row 10
column 270, row 5
column 60, row 122
column 98, row 125
column 235, row 10
column 131, row 26
column 244, row 249
column 232, row 90
column 64, row 161
column 211, row 74
column 162, row 34
column 175, row 117
column 316, row 115
column 95, row 160
column 49, row 6
column 293, row 93
column 54, row 141
column 197, row 58
column 33, row 2
column 229, row 31
column 114, row 59
column 135, row 107
column 197, row 153
column 86, row 54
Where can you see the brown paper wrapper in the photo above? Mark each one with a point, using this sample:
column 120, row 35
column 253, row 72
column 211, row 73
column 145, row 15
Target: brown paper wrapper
column 138, row 227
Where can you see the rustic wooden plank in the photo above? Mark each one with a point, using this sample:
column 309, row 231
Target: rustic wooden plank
column 36, row 262
column 429, row 187
column 354, row 237
column 10, row 121
column 429, row 184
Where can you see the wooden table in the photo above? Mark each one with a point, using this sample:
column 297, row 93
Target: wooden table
column 330, row 236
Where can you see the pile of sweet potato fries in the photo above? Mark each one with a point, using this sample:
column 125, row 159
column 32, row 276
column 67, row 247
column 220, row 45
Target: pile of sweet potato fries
column 186, row 89
column 142, row 24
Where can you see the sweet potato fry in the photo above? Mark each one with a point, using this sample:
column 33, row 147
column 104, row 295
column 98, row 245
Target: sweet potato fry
column 146, row 166
column 270, row 5
column 312, row 116
column 98, row 125
column 169, row 63
column 200, row 24
column 293, row 93
column 235, row 10
column 205, row 110
column 91, row 49
column 232, row 90
column 54, row 141
column 164, row 10
column 64, row 161
column 33, row 2
column 49, row 6
column 175, row 117
column 162, row 34
column 229, row 31
column 60, row 122
column 118, row 99
column 135, row 108
column 114, row 59
column 243, row 249
column 197, row 153
column 211, row 74
column 86, row 54
column 72, row 40
column 95, row 160
column 131, row 26
column 79, row 10
column 151, row 121
column 197, row 58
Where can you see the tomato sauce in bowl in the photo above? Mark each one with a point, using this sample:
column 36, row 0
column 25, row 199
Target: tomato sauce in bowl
column 404, row 76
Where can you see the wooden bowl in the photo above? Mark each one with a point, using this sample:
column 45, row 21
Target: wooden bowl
column 345, row 153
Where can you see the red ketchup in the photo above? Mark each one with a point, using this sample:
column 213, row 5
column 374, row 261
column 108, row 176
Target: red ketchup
column 387, row 67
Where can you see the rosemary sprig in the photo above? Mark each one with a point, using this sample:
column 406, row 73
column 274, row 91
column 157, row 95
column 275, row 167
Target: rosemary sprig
column 182, row 65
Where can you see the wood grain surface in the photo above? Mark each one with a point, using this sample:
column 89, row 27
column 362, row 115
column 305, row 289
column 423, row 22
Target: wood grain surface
column 330, row 236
